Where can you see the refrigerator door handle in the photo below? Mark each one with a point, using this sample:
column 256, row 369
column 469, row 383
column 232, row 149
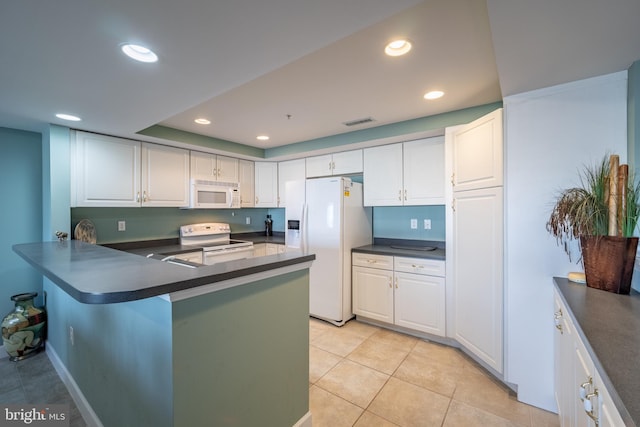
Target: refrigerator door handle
column 303, row 228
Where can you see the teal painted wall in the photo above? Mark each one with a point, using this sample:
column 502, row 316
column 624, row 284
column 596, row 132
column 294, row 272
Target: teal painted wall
column 21, row 215
column 394, row 222
column 121, row 358
column 254, row 340
column 164, row 223
column 439, row 121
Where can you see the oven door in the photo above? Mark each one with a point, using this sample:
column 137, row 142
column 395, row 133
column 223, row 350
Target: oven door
column 230, row 254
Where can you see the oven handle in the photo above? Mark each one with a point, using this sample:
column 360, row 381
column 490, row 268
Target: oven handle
column 229, row 250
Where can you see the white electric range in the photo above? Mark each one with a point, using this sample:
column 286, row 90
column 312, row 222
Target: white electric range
column 215, row 240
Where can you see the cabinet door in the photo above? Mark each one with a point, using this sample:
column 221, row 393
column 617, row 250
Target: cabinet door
column 347, row 162
column 608, row 415
column 227, row 169
column 107, row 171
column 165, row 176
column 247, row 183
column 477, row 153
column 382, row 175
column 291, row 170
column 564, row 382
column 373, row 293
column 423, row 173
column 584, row 379
column 203, row 165
column 477, row 272
column 318, row 166
column 266, row 187
column 420, row 302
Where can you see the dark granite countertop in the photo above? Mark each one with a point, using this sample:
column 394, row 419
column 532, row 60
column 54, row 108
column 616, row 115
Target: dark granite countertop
column 277, row 238
column 609, row 325
column 406, row 248
column 94, row 274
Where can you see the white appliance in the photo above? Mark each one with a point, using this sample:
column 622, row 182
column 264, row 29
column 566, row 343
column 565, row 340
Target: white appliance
column 332, row 221
column 214, row 239
column 214, row 194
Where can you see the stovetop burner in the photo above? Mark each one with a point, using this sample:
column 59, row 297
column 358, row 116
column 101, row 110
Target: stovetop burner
column 210, row 236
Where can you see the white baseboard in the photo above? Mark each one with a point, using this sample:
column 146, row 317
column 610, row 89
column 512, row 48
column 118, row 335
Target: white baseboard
column 85, row 409
column 305, row 421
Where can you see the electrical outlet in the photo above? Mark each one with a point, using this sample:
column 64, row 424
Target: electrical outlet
column 427, row 224
column 414, row 223
column 247, row 220
column 71, row 337
column 122, row 226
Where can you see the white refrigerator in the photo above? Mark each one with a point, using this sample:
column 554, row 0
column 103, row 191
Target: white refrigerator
column 332, row 222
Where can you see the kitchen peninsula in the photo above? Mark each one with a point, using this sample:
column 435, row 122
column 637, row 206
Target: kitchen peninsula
column 144, row 342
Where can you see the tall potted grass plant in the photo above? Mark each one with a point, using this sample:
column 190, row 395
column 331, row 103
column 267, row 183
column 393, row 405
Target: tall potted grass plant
column 602, row 213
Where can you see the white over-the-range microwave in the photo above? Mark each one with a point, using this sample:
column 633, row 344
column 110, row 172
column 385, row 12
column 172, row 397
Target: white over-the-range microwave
column 214, row 194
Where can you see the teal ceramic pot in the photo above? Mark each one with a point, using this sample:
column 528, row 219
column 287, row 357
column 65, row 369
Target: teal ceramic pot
column 23, row 329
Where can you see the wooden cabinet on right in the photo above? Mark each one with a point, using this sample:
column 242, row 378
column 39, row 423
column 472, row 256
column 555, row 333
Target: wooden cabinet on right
column 405, row 174
column 580, row 393
column 407, row 292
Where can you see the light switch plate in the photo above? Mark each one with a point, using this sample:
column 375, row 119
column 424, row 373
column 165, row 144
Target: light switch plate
column 414, row 223
column 122, row 226
column 427, row 224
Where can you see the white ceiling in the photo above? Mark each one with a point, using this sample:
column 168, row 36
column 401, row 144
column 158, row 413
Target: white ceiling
column 247, row 64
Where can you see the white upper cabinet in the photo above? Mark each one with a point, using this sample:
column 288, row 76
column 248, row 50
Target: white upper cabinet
column 343, row 163
column 477, row 153
column 290, row 170
column 117, row 172
column 266, row 184
column 165, row 176
column 318, row 166
column 105, row 171
column 213, row 167
column 247, row 183
column 405, row 174
column 423, row 172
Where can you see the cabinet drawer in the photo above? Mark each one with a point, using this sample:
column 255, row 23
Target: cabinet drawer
column 384, row 262
column 429, row 267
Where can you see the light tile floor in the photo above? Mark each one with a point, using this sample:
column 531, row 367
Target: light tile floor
column 359, row 375
column 365, row 376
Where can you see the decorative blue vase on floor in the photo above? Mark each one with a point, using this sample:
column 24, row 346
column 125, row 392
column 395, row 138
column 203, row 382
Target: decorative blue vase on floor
column 24, row 329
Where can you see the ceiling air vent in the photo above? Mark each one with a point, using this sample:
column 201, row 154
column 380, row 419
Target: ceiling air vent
column 359, row 121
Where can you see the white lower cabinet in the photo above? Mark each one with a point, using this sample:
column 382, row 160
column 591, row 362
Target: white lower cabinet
column 580, row 394
column 407, row 292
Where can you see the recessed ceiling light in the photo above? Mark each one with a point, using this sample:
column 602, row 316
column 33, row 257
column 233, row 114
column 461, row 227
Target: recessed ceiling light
column 68, row 117
column 434, row 94
column 202, row 121
column 139, row 53
column 262, row 137
column 398, row 47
